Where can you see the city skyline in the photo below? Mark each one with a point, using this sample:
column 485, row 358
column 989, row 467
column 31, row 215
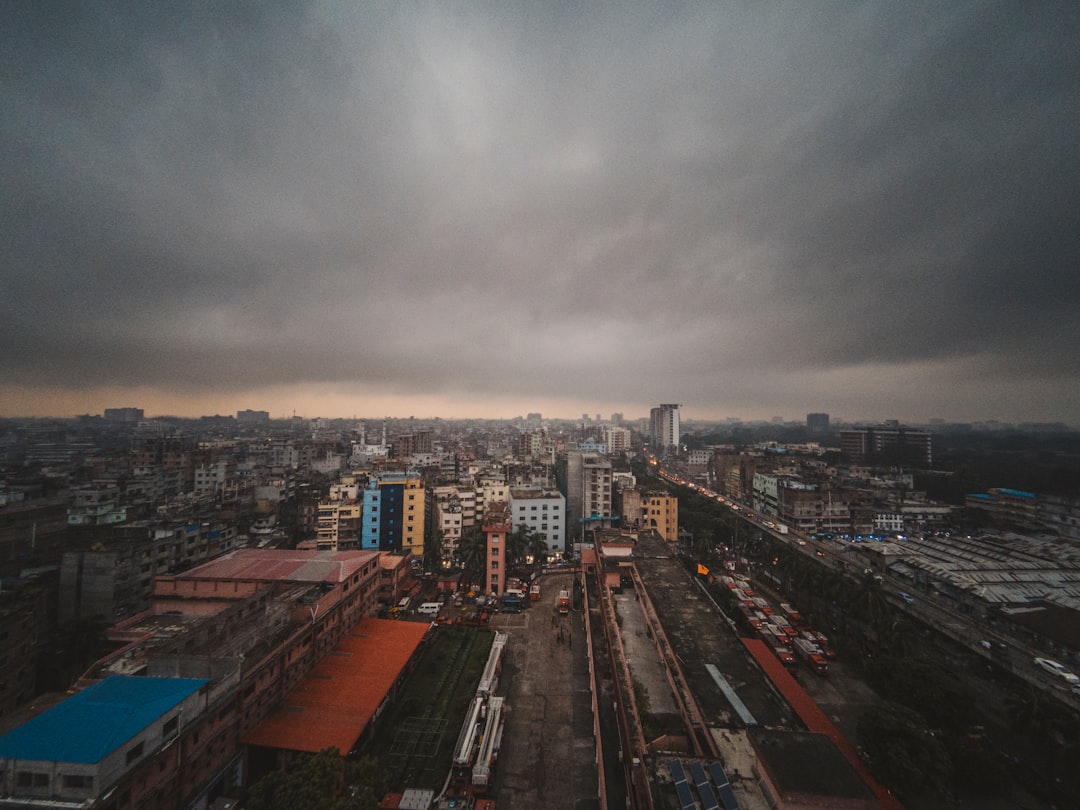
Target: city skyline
column 464, row 210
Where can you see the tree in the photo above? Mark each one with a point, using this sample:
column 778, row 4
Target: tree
column 433, row 550
column 525, row 543
column 366, row 783
column 472, row 553
column 312, row 783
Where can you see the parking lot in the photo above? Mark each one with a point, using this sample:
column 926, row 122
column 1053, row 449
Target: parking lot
column 547, row 758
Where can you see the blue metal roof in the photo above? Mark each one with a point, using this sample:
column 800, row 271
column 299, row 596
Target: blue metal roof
column 93, row 723
column 1017, row 493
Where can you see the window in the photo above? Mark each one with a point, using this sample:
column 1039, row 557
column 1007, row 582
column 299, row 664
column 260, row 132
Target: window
column 168, row 731
column 78, row 780
column 494, row 565
column 494, row 552
column 134, row 753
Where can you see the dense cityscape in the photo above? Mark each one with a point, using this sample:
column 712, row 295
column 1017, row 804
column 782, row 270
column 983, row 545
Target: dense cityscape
column 456, row 405
column 172, row 588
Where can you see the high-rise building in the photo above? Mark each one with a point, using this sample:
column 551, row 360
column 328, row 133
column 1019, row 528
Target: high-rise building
column 890, row 444
column 588, row 493
column 393, row 518
column 817, row 422
column 617, row 439
column 664, row 427
column 542, row 511
column 496, row 529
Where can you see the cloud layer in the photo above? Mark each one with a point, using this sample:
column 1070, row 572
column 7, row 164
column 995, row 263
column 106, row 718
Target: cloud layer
column 749, row 209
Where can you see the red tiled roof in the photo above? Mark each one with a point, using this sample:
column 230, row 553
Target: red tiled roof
column 815, row 719
column 288, row 565
column 334, row 704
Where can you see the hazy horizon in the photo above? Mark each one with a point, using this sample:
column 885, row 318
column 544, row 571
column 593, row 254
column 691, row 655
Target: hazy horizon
column 490, row 209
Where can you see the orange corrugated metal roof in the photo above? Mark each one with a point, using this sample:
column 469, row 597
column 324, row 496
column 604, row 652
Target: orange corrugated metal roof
column 815, row 719
column 335, row 702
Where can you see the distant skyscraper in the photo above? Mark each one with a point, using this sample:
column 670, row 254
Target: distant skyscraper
column 817, row 422
column 664, row 427
column 890, row 444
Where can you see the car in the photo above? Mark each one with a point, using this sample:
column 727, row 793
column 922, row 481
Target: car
column 1058, row 669
column 907, row 597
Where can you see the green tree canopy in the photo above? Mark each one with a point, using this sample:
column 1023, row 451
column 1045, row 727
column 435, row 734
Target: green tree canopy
column 312, row 783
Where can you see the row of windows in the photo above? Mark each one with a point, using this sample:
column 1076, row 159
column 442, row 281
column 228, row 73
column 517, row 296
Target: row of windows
column 27, row 779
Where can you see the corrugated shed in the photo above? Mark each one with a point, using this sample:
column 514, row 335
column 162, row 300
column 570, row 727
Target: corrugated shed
column 334, row 704
column 814, row 718
column 283, row 565
column 93, row 723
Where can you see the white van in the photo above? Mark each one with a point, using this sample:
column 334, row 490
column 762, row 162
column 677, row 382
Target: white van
column 429, row 609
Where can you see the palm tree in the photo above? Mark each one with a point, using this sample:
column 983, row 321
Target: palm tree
column 536, row 547
column 472, row 554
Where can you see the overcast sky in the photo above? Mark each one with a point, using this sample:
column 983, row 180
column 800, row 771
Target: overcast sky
column 485, row 209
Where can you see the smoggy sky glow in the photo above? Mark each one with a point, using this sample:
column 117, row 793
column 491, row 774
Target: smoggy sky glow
column 486, row 209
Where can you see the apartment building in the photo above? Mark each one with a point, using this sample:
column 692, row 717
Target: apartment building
column 887, row 444
column 97, row 504
column 661, row 513
column 394, row 513
column 27, row 614
column 114, row 577
column 491, row 488
column 451, row 510
column 195, row 696
column 338, row 526
column 542, row 511
column 664, row 427
column 618, row 439
column 588, row 493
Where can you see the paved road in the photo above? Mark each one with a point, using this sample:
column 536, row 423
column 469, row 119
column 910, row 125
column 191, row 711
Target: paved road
column 548, row 754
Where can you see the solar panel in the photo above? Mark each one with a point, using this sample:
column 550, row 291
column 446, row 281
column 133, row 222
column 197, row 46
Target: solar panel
column 704, row 789
column 682, row 787
column 716, row 771
column 723, row 786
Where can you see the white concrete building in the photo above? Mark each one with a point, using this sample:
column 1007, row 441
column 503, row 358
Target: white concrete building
column 542, row 511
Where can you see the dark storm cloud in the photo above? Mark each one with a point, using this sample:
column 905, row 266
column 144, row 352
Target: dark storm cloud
column 642, row 204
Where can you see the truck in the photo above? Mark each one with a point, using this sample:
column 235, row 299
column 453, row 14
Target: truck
column 780, row 527
column 512, row 603
column 811, row 655
column 564, row 601
column 534, row 592
column 783, row 653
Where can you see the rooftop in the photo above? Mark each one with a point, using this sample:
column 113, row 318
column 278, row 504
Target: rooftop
column 93, row 723
column 290, row 565
column 337, row 700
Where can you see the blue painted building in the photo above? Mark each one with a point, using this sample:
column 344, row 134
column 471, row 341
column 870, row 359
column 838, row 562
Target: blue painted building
column 394, row 511
column 78, row 751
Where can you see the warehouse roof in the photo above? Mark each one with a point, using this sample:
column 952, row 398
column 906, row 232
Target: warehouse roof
column 335, row 702
column 288, row 565
column 93, row 723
